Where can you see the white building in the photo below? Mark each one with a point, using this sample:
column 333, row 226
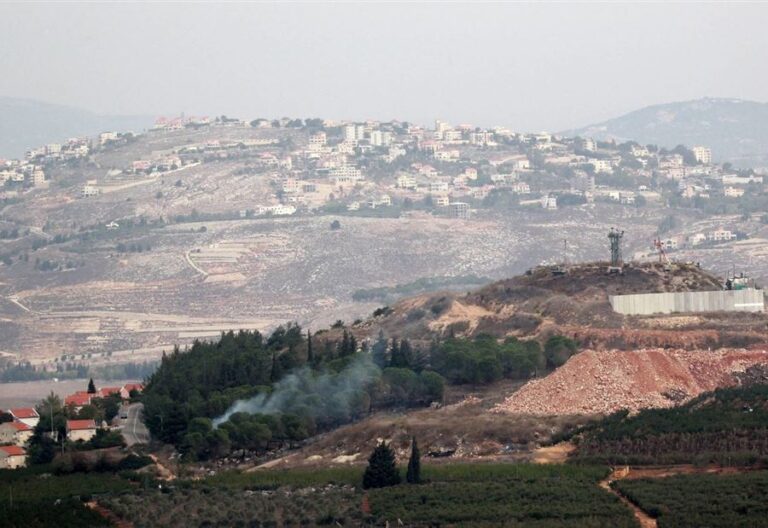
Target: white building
column 104, row 137
column 587, row 144
column 15, row 433
column 733, row 192
column 721, row 235
column 317, row 141
column 81, row 430
column 405, row 181
column 600, row 165
column 702, row 155
column 381, row 139
column 26, row 415
column 12, row 457
column 549, row 202
column 89, row 189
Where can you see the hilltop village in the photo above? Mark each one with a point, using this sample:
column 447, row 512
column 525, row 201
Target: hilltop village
column 380, row 168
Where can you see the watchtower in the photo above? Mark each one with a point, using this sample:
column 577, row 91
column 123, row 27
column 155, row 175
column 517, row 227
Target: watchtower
column 615, row 237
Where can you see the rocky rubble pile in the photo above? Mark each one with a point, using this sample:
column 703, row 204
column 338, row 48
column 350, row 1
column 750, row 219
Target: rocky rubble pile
column 600, row 382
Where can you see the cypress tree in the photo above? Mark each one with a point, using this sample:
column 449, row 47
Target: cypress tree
column 379, row 351
column 414, row 464
column 310, row 352
column 394, row 354
column 382, row 470
column 91, row 387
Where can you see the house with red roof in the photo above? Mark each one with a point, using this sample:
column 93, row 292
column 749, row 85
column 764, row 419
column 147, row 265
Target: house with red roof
column 28, row 415
column 78, row 400
column 12, row 457
column 81, row 430
column 107, row 391
column 125, row 391
column 15, row 433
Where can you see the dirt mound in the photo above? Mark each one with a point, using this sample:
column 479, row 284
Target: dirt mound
column 600, row 382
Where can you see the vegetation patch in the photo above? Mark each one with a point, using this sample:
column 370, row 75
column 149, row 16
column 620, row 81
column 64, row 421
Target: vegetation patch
column 692, row 501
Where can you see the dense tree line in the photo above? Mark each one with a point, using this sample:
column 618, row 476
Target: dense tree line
column 485, row 360
column 293, row 386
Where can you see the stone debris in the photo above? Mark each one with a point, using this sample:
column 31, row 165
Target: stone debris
column 602, row 382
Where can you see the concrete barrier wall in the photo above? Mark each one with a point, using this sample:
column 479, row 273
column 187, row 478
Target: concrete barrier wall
column 748, row 300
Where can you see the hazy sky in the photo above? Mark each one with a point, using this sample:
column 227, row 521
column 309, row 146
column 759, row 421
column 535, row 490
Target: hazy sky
column 526, row 66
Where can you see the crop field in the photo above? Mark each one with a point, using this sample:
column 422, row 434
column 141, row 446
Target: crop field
column 456, row 495
column 33, row 497
column 690, row 501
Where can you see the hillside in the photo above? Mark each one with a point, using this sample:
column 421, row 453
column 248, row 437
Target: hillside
column 735, row 130
column 26, row 123
column 540, row 303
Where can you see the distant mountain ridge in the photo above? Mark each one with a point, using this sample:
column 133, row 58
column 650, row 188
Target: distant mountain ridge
column 736, row 130
column 27, row 123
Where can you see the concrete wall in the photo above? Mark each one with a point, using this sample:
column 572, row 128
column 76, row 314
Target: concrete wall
column 749, row 300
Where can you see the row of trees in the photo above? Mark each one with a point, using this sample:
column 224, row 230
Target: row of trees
column 382, row 471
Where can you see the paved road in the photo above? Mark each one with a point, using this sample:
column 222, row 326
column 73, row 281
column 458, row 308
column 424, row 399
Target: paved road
column 134, row 431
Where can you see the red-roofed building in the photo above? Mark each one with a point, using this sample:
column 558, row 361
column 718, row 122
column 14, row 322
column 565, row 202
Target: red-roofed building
column 78, row 400
column 78, row 430
column 125, row 392
column 28, row 415
column 12, row 457
column 107, row 391
column 16, row 433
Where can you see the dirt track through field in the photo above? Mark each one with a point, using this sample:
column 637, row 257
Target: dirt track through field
column 645, row 520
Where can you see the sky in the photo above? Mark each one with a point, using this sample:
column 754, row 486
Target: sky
column 541, row 66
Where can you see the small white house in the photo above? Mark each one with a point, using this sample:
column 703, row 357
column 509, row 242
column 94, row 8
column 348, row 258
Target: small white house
column 26, row 415
column 15, row 433
column 12, row 457
column 81, row 430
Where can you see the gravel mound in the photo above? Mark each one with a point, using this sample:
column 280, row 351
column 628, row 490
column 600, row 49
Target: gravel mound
column 601, row 382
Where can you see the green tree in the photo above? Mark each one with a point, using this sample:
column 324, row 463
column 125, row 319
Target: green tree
column 413, row 476
column 379, row 350
column 91, row 387
column 558, row 349
column 382, row 469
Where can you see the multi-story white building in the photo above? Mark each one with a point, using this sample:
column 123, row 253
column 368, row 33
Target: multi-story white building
column 104, row 137
column 733, row 192
column 89, row 189
column 317, row 141
column 405, row 181
column 721, row 235
column 600, row 165
column 702, row 155
column 350, row 135
column 549, row 202
column 587, row 144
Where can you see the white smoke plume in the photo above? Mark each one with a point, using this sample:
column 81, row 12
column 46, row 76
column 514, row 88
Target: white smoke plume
column 316, row 394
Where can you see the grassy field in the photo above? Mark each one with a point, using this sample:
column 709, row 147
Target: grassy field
column 692, row 501
column 470, row 495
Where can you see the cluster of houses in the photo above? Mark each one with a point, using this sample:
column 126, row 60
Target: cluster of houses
column 15, row 434
column 488, row 160
column 443, row 165
column 714, row 236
